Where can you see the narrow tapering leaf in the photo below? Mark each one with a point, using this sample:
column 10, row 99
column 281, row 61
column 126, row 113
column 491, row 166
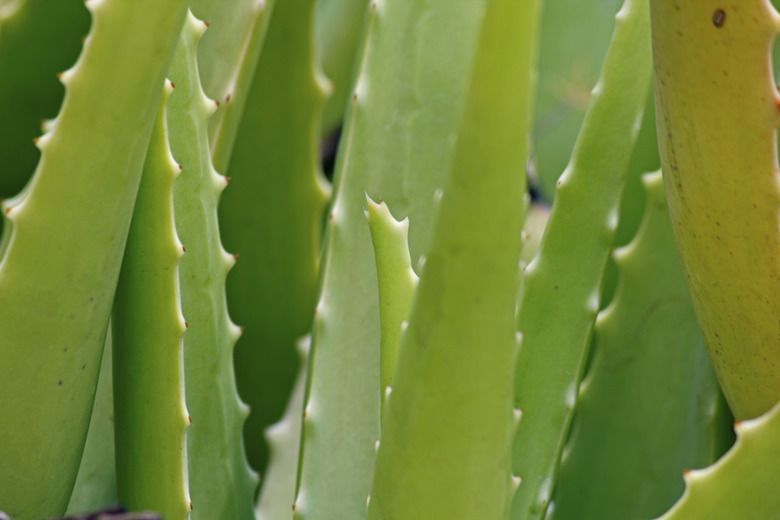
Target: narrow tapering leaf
column 221, row 482
column 150, row 415
column 561, row 288
column 228, row 57
column 645, row 410
column 271, row 217
column 397, row 282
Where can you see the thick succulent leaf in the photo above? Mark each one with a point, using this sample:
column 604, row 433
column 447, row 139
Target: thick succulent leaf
column 149, row 411
column 396, row 146
column 271, row 217
column 743, row 484
column 96, row 482
column 397, row 282
column 38, row 39
column 220, row 480
column 445, row 450
column 59, row 267
column 717, row 124
column 561, row 288
column 646, row 409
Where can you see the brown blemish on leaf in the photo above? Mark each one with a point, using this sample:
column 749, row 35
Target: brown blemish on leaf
column 719, row 18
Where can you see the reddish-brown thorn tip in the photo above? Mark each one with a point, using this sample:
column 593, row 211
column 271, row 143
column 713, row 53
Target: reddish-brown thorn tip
column 228, row 179
column 217, row 102
column 686, row 471
column 330, row 216
column 190, row 506
column 235, row 258
column 227, row 98
column 186, row 325
column 184, row 249
column 189, row 417
column 354, row 96
column 180, row 167
column 304, row 414
column 737, row 424
column 293, row 507
column 242, row 329
column 172, row 85
column 59, row 76
column 36, row 140
column 7, row 211
column 207, row 24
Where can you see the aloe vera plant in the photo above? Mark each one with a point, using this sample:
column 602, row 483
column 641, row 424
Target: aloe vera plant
column 461, row 352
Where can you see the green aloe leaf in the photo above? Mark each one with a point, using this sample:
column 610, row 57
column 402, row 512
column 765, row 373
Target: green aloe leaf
column 562, row 284
column 59, row 267
column 445, row 450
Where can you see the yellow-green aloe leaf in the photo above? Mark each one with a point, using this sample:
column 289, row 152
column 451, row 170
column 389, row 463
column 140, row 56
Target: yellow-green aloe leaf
column 150, row 415
column 221, row 483
column 445, row 450
column 62, row 248
column 96, row 482
column 407, row 95
column 742, row 484
column 560, row 297
column 717, row 122
column 397, row 282
column 646, row 409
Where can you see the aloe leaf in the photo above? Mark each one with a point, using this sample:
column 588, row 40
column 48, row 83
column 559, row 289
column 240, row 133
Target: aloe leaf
column 742, row 484
column 284, row 437
column 561, row 288
column 445, row 450
column 396, row 146
column 573, row 39
column 717, row 123
column 149, row 411
column 397, row 282
column 533, row 231
column 38, row 39
column 228, row 57
column 271, row 217
column 96, row 481
column 221, row 482
column 63, row 264
column 337, row 27
column 650, row 387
